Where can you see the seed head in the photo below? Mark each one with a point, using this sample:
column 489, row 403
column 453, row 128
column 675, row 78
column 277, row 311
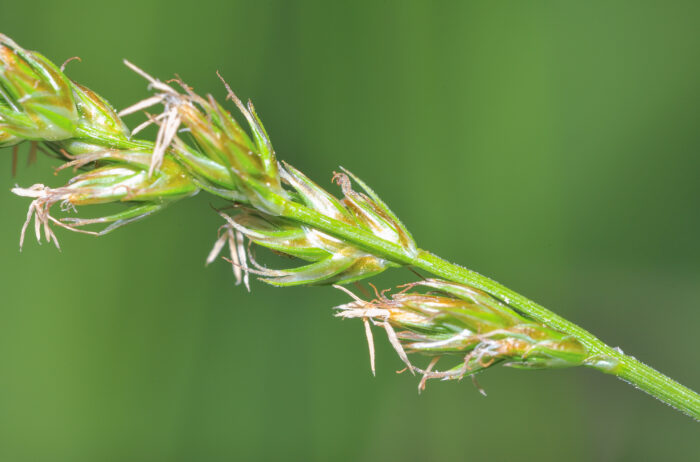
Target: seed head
column 252, row 169
column 330, row 260
column 463, row 322
column 122, row 177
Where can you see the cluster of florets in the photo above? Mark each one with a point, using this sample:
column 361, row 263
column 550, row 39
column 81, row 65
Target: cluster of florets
column 454, row 320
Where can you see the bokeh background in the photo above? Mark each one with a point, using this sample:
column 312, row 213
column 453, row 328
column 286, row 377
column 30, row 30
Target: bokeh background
column 553, row 146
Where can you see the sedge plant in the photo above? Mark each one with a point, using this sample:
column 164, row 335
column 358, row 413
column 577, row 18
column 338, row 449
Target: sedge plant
column 459, row 322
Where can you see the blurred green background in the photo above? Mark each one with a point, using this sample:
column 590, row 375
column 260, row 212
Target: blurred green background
column 550, row 145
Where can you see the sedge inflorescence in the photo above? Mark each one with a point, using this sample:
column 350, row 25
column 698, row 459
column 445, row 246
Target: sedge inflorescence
column 270, row 204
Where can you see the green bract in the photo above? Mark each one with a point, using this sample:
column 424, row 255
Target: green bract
column 37, row 100
column 99, row 126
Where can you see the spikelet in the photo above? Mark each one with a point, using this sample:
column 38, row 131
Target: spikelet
column 330, row 260
column 39, row 103
column 455, row 321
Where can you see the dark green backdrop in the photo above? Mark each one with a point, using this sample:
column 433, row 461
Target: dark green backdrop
column 551, row 145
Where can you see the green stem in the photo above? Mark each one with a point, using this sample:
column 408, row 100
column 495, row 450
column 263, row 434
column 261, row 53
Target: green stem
column 603, row 357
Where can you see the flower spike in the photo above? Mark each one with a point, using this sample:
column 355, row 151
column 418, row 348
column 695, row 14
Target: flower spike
column 465, row 322
column 461, row 321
